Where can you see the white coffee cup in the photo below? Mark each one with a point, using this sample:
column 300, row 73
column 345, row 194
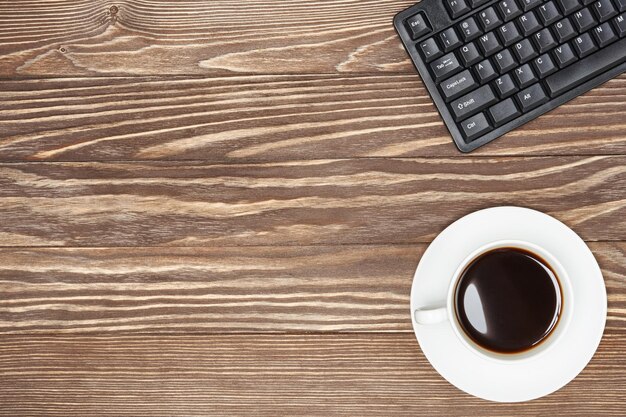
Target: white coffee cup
column 445, row 311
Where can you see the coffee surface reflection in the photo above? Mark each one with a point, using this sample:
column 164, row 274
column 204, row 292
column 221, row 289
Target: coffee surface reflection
column 508, row 300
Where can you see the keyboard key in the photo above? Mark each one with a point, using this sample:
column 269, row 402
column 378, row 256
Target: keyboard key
column 505, row 86
column 504, row 61
column 544, row 40
column 564, row 30
column 620, row 25
column 470, row 54
column 504, row 112
column 548, row 13
column 456, row 8
column 458, row 85
column 475, row 127
column 544, row 66
column 430, row 50
column 604, row 10
column 524, row 76
column 524, row 51
column 449, row 39
column 569, row 6
column 478, row 3
column 509, row 9
column 489, row 19
column 469, row 29
column 583, row 45
column 621, row 5
column 485, row 71
column 584, row 20
column 418, row 25
column 586, row 69
column 531, row 98
column 529, row 4
column 509, row 34
column 472, row 102
column 564, row 55
column 529, row 23
column 445, row 66
column 604, row 35
column 489, row 44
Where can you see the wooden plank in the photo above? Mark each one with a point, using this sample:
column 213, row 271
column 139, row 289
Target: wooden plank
column 271, row 118
column 143, row 37
column 224, row 290
column 308, row 375
column 298, row 202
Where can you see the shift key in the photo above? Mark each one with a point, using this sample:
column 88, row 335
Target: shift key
column 472, row 103
column 444, row 66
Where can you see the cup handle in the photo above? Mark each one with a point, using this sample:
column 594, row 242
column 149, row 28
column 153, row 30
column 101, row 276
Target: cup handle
column 431, row 315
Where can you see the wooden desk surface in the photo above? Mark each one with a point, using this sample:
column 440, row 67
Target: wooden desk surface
column 216, row 208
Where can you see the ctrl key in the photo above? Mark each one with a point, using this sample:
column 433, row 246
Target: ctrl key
column 475, row 127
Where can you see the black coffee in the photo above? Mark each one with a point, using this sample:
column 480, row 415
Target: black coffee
column 508, row 300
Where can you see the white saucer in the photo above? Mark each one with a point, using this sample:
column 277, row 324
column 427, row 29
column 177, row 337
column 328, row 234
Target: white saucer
column 510, row 382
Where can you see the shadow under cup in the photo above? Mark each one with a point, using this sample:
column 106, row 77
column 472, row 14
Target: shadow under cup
column 510, row 300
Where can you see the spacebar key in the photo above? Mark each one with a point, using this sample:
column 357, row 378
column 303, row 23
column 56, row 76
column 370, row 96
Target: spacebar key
column 587, row 68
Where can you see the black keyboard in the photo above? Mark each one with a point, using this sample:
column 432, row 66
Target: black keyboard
column 493, row 65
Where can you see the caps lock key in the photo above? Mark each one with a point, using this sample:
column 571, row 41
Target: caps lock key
column 457, row 85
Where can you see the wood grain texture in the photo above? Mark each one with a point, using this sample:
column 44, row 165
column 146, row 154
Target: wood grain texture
column 226, row 290
column 298, row 202
column 216, row 208
column 271, row 118
column 255, row 375
column 143, row 37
